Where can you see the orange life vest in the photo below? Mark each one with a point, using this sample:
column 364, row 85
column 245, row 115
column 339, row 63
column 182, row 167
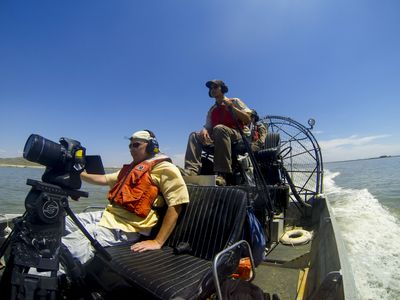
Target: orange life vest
column 138, row 191
column 220, row 115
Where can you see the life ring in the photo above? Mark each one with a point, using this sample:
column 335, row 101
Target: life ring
column 296, row 237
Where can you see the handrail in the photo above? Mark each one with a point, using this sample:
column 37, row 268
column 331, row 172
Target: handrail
column 217, row 257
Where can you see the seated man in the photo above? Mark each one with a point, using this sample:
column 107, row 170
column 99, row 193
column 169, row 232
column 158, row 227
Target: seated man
column 220, row 130
column 258, row 132
column 149, row 181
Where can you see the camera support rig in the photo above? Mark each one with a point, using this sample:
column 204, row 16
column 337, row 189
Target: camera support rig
column 36, row 238
column 36, row 241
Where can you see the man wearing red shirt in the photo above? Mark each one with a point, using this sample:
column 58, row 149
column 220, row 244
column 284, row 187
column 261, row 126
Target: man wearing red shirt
column 220, row 130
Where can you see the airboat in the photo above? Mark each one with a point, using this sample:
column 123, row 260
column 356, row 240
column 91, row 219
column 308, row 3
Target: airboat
column 299, row 255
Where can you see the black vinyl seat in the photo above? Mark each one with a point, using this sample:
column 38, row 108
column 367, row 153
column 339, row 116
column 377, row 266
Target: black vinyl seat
column 237, row 148
column 212, row 221
column 268, row 158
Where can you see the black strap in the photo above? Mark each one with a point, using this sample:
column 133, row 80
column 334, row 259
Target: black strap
column 258, row 174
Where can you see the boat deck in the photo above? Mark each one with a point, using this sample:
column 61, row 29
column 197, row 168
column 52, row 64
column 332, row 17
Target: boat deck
column 283, row 254
column 270, row 279
column 288, row 262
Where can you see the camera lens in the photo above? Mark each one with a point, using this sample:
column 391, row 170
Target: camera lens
column 43, row 151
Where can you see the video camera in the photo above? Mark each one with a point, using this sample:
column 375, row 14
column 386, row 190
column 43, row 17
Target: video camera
column 64, row 161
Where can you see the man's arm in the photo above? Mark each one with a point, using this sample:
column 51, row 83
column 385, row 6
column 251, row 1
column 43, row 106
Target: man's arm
column 175, row 193
column 207, row 128
column 167, row 226
column 262, row 130
column 94, row 178
column 239, row 109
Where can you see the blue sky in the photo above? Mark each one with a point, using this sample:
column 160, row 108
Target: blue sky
column 96, row 71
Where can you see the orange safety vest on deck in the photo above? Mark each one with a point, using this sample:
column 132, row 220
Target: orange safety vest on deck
column 135, row 189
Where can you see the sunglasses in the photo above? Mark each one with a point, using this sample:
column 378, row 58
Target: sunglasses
column 134, row 145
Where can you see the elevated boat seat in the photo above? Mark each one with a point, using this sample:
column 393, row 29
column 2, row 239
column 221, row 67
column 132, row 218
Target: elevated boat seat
column 240, row 163
column 237, row 147
column 268, row 158
column 212, row 221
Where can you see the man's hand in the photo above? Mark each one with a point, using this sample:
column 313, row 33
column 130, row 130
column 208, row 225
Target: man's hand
column 145, row 245
column 205, row 137
column 242, row 115
column 168, row 224
column 228, row 103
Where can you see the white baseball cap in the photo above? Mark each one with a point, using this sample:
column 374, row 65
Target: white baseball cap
column 141, row 135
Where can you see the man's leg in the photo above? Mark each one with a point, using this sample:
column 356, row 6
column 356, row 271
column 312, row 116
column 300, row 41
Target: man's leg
column 223, row 137
column 85, row 218
column 80, row 246
column 193, row 154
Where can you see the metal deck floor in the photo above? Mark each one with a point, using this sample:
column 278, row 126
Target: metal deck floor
column 286, row 253
column 277, row 280
column 280, row 272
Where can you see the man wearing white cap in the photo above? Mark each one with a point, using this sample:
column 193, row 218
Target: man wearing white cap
column 136, row 191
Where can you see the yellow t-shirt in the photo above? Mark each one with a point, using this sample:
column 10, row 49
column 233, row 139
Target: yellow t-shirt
column 168, row 179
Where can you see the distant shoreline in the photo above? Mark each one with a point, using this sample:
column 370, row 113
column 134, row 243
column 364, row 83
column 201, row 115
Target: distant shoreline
column 380, row 157
column 112, row 169
column 18, row 162
column 20, row 166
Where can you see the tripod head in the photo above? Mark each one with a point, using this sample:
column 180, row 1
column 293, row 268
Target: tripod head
column 45, row 202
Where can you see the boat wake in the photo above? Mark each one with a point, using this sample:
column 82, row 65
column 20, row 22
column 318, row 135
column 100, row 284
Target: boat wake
column 371, row 236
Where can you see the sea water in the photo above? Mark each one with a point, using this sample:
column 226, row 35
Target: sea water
column 365, row 199
column 13, row 191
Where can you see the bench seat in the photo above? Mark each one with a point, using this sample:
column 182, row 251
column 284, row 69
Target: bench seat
column 161, row 273
column 211, row 222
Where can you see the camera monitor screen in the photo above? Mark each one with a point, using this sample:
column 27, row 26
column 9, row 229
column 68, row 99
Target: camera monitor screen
column 94, row 165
